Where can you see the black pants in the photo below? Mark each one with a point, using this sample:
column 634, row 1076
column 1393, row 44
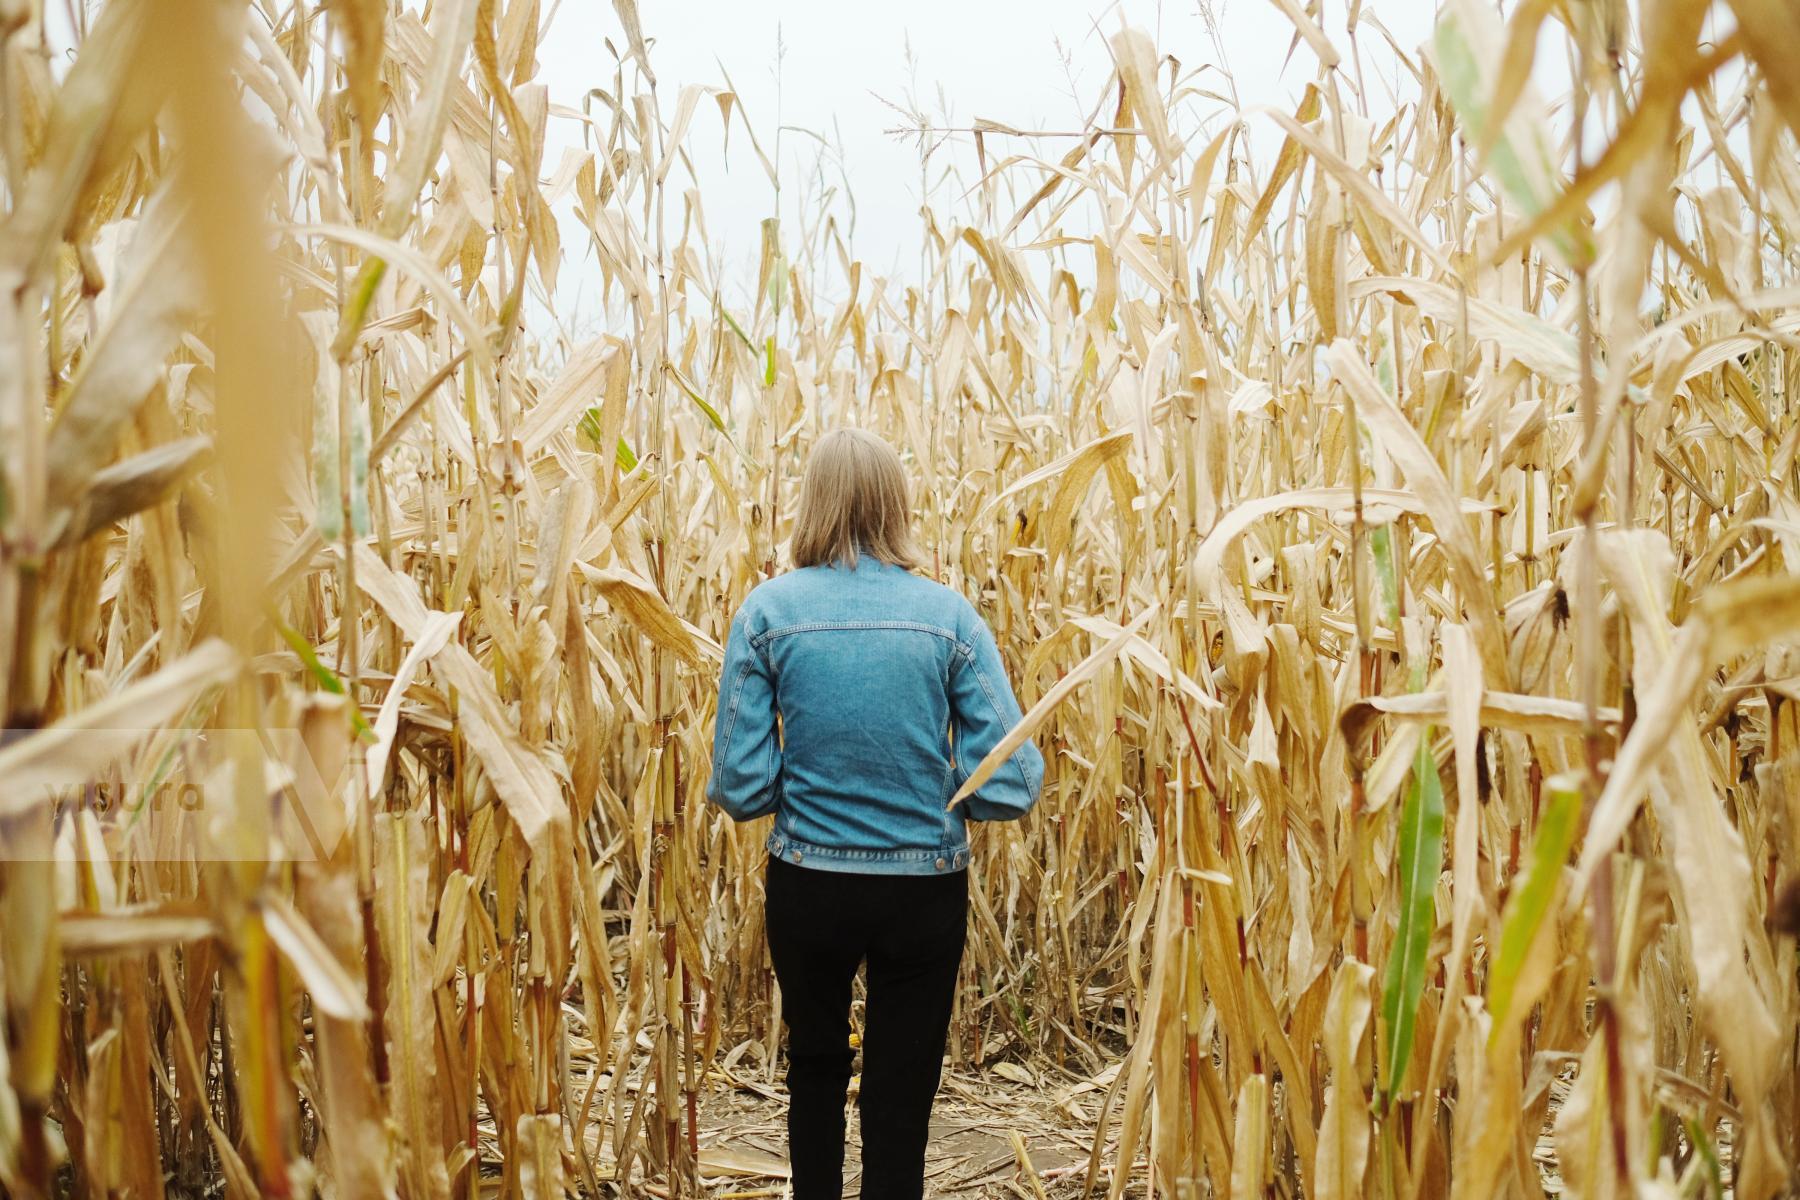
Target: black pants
column 910, row 928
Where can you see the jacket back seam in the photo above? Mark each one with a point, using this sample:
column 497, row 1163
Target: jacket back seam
column 761, row 640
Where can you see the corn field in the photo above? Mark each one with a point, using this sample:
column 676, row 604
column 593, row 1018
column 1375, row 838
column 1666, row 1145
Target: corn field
column 1387, row 537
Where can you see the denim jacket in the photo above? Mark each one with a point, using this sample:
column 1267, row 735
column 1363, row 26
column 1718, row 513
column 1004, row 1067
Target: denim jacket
column 889, row 690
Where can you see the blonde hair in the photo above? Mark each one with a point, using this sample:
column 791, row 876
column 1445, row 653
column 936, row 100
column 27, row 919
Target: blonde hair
column 853, row 498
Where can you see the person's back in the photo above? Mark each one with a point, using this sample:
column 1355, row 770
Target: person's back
column 855, row 699
column 875, row 670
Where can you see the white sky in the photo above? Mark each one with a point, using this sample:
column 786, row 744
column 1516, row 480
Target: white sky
column 1030, row 64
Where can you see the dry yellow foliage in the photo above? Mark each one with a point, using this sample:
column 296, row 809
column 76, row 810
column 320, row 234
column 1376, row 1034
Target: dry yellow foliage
column 1391, row 554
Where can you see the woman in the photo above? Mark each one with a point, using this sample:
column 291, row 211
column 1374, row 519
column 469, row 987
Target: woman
column 856, row 697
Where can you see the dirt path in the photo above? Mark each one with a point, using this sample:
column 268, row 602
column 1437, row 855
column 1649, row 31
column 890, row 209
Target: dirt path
column 972, row 1154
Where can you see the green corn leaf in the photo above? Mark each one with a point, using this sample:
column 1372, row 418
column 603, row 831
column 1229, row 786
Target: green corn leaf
column 1421, row 858
column 739, row 330
column 326, row 486
column 1384, row 364
column 588, row 428
column 1381, row 539
column 1530, row 900
column 769, row 363
column 1467, row 45
column 356, row 308
column 700, row 402
column 778, row 285
column 1381, row 545
column 712, row 414
column 322, row 674
column 359, row 468
column 1709, row 1158
column 1387, row 573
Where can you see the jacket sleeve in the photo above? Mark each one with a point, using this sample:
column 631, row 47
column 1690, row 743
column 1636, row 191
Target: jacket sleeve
column 746, row 766
column 984, row 710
